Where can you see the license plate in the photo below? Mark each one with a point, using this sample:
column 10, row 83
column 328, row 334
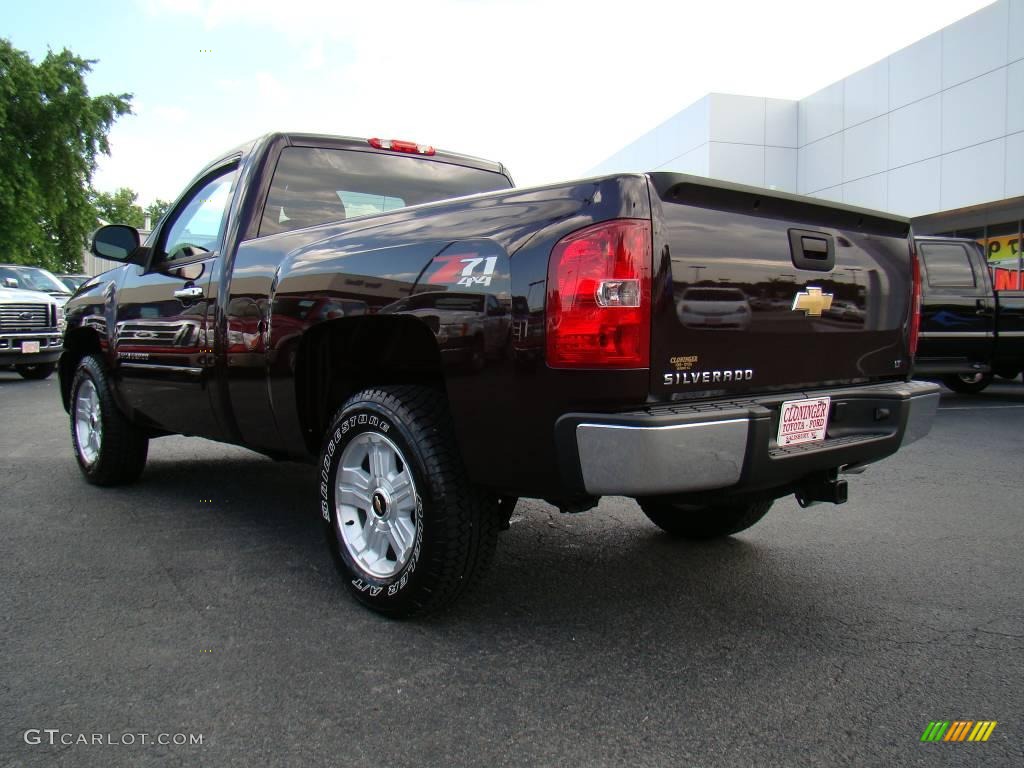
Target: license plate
column 28, row 347
column 803, row 421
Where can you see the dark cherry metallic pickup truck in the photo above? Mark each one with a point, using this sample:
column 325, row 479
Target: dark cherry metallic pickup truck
column 441, row 344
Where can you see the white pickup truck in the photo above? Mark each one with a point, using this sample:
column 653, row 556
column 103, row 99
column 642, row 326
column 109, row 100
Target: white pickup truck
column 31, row 328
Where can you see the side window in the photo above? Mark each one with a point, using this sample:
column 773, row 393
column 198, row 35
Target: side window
column 197, row 227
column 948, row 266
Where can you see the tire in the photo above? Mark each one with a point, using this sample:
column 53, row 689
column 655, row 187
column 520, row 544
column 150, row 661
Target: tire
column 968, row 383
column 711, row 522
column 36, row 371
column 407, row 530
column 115, row 453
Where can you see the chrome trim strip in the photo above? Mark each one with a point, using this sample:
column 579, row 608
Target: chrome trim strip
column 1012, row 334
column 30, row 335
column 956, row 334
column 645, row 461
column 162, row 368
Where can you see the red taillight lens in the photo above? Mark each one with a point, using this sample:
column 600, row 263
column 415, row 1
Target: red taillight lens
column 599, row 297
column 915, row 301
column 395, row 145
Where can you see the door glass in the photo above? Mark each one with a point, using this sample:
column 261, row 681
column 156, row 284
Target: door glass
column 947, row 266
column 197, row 228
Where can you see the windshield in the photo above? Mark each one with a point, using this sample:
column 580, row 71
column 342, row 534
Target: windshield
column 33, row 279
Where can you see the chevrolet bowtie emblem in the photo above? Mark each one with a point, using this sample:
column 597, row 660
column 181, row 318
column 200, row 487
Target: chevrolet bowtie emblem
column 812, row 301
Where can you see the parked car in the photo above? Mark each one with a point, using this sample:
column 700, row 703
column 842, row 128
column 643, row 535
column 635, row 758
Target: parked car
column 719, row 308
column 31, row 327
column 33, row 279
column 73, row 282
column 419, row 460
column 969, row 331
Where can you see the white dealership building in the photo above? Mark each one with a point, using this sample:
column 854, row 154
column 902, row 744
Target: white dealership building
column 934, row 131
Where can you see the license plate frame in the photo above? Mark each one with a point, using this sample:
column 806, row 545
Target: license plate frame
column 29, row 347
column 797, row 427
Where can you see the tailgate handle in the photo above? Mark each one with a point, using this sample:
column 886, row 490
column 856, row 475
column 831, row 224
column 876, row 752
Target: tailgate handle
column 812, row 250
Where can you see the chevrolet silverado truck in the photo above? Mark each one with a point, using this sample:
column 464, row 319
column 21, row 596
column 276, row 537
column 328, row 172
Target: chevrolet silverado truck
column 31, row 331
column 969, row 331
column 291, row 302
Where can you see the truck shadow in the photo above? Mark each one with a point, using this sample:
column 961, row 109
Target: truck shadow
column 599, row 574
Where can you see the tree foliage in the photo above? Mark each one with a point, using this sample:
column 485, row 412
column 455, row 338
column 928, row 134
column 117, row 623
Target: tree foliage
column 51, row 132
column 119, row 207
column 156, row 210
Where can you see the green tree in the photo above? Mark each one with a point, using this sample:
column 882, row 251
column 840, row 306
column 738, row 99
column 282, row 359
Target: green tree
column 119, row 207
column 51, row 132
column 157, row 209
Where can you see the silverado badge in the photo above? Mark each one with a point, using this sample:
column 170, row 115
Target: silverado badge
column 812, row 301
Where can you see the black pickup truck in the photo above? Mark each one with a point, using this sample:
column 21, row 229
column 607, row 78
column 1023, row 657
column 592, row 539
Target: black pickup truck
column 441, row 343
column 969, row 331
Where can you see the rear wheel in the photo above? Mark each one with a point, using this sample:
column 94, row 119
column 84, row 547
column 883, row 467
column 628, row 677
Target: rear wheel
column 968, row 383
column 408, row 532
column 703, row 522
column 36, row 371
column 109, row 448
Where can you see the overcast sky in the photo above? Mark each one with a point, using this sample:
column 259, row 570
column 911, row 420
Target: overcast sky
column 549, row 87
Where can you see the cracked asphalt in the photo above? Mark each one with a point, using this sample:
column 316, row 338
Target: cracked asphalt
column 820, row 637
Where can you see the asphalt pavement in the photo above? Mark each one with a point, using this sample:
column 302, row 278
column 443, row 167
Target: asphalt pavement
column 201, row 602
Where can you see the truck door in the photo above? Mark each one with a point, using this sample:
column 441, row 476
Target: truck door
column 957, row 310
column 163, row 331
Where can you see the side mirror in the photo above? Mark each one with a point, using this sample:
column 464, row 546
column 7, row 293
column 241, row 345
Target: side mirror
column 116, row 242
column 10, row 282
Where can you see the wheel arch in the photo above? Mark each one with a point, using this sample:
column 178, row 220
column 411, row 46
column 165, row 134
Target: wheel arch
column 78, row 342
column 337, row 358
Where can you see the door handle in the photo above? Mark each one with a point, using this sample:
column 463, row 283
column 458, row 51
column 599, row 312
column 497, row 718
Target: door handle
column 189, row 292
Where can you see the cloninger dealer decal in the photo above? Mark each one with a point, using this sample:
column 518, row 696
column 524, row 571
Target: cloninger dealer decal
column 686, row 372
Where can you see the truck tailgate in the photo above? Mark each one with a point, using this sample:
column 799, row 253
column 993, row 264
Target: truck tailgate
column 760, row 291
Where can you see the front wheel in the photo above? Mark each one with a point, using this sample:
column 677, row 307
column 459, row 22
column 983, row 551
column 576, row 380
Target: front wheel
column 407, row 530
column 109, row 448
column 703, row 522
column 36, row 371
column 968, row 383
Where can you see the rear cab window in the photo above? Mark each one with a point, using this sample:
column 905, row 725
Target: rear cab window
column 314, row 186
column 948, row 265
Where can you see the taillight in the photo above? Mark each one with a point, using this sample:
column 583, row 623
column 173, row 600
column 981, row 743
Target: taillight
column 599, row 297
column 915, row 301
column 395, row 145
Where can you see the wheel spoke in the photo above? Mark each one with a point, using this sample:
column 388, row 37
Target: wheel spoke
column 382, row 460
column 354, row 498
column 355, row 478
column 401, row 491
column 376, row 545
column 401, row 539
